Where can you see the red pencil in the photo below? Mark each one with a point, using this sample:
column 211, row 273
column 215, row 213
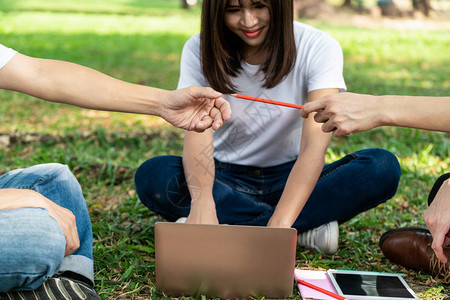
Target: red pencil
column 334, row 295
column 266, row 101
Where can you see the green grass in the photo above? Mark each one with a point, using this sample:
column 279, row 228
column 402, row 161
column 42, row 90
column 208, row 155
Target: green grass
column 141, row 41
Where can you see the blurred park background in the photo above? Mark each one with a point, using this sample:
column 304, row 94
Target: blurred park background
column 390, row 47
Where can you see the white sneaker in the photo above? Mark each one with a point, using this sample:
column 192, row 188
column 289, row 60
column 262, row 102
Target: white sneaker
column 321, row 239
column 181, row 220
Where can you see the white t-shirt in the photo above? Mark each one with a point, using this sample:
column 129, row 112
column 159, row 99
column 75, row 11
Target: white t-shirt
column 5, row 55
column 260, row 134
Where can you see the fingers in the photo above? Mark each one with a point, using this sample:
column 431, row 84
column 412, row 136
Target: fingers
column 328, row 123
column 439, row 228
column 68, row 224
column 204, row 124
column 312, row 107
column 438, row 241
column 72, row 239
column 69, row 227
column 221, row 104
column 204, row 92
column 220, row 111
column 214, row 120
column 217, row 116
column 224, row 108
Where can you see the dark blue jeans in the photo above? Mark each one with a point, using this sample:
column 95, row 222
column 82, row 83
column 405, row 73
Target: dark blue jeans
column 248, row 195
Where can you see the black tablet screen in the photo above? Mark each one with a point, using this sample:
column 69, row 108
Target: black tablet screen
column 372, row 285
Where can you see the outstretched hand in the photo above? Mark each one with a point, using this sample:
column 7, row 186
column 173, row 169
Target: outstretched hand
column 195, row 109
column 344, row 113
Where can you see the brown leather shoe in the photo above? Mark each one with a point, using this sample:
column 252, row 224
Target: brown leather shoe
column 411, row 247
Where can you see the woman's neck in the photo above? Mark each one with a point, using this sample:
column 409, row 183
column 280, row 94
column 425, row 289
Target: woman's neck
column 254, row 56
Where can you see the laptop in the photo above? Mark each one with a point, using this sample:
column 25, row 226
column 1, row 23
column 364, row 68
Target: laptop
column 226, row 261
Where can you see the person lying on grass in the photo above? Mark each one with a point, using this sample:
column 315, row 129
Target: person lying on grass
column 45, row 229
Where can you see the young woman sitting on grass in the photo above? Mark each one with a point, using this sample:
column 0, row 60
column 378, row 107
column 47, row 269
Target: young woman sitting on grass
column 266, row 165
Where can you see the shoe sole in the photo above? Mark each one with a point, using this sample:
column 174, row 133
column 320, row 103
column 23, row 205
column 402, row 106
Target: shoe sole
column 55, row 289
column 393, row 231
column 334, row 239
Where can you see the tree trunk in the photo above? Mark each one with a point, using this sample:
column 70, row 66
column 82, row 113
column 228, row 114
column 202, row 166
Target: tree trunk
column 184, row 4
column 347, row 3
column 422, row 5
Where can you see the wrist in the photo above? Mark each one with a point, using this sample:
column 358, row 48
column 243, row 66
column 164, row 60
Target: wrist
column 19, row 198
column 276, row 221
column 203, row 206
column 203, row 201
column 383, row 111
column 144, row 100
column 157, row 101
column 37, row 200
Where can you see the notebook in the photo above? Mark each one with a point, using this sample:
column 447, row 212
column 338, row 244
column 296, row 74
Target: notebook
column 226, row 261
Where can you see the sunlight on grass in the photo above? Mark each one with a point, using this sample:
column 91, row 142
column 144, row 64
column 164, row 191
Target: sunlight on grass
column 70, row 23
column 89, row 6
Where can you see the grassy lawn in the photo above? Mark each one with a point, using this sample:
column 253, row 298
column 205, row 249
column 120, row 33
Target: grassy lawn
column 141, row 41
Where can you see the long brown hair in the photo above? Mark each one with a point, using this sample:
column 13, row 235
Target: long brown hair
column 221, row 49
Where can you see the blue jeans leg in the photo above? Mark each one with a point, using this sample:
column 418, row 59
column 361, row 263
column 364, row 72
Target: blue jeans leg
column 354, row 184
column 58, row 184
column 248, row 195
column 31, row 248
column 161, row 186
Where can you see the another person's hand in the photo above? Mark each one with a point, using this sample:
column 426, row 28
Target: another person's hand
column 437, row 218
column 345, row 113
column 203, row 212
column 67, row 222
column 195, row 108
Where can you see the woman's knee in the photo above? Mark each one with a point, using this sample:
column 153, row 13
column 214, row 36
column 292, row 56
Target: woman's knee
column 161, row 186
column 154, row 175
column 388, row 165
column 385, row 170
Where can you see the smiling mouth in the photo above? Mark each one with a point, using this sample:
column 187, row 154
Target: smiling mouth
column 252, row 33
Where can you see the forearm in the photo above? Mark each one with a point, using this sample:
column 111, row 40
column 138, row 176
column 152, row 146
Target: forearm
column 94, row 90
column 19, row 198
column 198, row 164
column 299, row 186
column 65, row 82
column 306, row 171
column 430, row 113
